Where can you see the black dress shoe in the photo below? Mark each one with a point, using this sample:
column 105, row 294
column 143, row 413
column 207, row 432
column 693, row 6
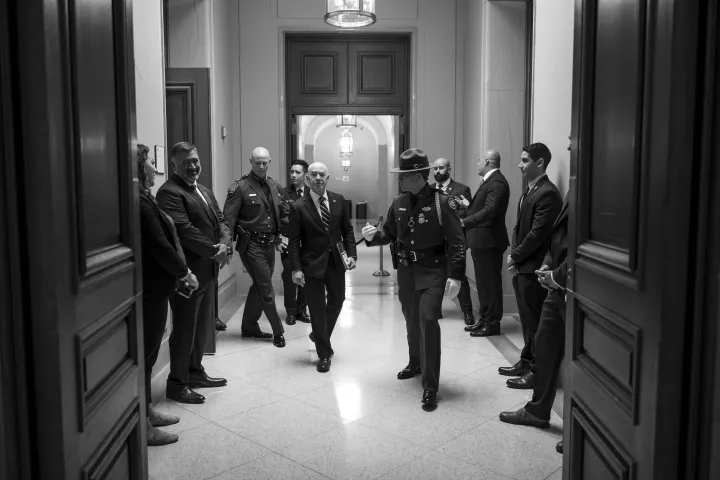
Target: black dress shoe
column 522, row 383
column 429, row 397
column 312, row 337
column 206, row 382
column 323, row 365
column 487, row 330
column 559, row 447
column 523, row 417
column 290, row 319
column 279, row 341
column 516, row 370
column 220, row 325
column 475, row 326
column 184, row 396
column 303, row 317
column 408, row 372
column 256, row 335
column 469, row 318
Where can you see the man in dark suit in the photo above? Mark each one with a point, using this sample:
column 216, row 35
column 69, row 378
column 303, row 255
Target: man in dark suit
column 487, row 239
column 206, row 244
column 294, row 295
column 445, row 184
column 538, row 208
column 550, row 338
column 319, row 229
column 425, row 234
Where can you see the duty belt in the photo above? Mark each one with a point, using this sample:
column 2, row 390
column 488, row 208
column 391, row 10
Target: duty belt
column 262, row 237
column 408, row 256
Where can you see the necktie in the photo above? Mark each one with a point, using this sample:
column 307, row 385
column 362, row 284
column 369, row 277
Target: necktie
column 522, row 198
column 300, row 192
column 324, row 212
column 203, row 202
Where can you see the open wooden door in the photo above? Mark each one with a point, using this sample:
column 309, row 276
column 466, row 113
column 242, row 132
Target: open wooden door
column 637, row 124
column 75, row 283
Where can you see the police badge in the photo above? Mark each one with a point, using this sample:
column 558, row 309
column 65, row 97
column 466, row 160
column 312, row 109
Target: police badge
column 451, row 202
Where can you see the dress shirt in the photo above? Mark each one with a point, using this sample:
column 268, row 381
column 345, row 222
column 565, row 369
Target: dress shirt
column 316, row 199
column 487, row 175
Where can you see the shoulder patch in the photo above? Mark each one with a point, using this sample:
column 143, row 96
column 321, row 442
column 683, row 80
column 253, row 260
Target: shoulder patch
column 234, row 186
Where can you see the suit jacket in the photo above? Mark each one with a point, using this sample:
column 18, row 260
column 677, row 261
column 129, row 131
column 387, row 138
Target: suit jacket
column 163, row 261
column 556, row 257
column 536, row 215
column 310, row 242
column 485, row 220
column 456, row 189
column 290, row 196
column 199, row 226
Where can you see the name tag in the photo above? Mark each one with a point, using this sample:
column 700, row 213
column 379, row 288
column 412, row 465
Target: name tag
column 401, row 209
column 253, row 194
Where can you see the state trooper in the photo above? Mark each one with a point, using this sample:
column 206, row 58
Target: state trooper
column 255, row 214
column 426, row 239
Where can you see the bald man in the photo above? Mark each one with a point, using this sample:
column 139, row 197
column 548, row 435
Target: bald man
column 461, row 193
column 487, row 240
column 254, row 213
column 321, row 248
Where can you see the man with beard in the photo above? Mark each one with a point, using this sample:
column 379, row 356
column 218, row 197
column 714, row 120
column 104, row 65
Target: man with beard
column 322, row 248
column 462, row 195
column 425, row 233
column 294, row 295
column 254, row 212
column 205, row 240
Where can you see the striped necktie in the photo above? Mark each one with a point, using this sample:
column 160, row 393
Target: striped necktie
column 324, row 212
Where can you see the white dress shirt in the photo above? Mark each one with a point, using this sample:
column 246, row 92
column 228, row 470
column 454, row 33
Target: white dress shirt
column 487, row 175
column 316, row 199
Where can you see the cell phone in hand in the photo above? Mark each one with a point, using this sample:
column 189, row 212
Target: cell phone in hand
column 184, row 289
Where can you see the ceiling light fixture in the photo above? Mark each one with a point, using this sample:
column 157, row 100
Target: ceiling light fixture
column 350, row 13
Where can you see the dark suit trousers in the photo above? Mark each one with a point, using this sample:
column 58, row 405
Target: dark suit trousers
column 487, row 263
column 550, row 344
column 259, row 261
column 155, row 310
column 530, row 296
column 324, row 314
column 421, row 309
column 187, row 340
column 294, row 295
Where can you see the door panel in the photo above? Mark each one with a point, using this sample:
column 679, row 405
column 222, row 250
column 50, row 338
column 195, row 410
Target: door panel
column 78, row 203
column 318, row 73
column 378, row 73
column 634, row 111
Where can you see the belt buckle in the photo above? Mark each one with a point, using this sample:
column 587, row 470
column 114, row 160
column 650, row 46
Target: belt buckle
column 413, row 256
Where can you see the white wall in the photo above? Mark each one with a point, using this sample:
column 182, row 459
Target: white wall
column 149, row 77
column 552, row 83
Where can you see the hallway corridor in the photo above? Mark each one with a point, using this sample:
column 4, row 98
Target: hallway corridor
column 279, row 418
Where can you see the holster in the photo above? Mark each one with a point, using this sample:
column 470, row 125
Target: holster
column 243, row 238
column 393, row 255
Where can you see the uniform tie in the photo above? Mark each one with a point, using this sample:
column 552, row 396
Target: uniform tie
column 324, row 213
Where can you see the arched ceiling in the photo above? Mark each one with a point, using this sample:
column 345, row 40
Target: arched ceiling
column 313, row 125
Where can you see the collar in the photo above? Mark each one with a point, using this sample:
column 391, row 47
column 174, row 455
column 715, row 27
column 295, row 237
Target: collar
column 536, row 181
column 316, row 197
column 258, row 179
column 194, row 184
column 487, row 175
column 445, row 183
column 300, row 188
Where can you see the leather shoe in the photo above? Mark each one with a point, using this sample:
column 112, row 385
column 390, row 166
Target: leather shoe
column 324, row 365
column 469, row 318
column 206, row 382
column 516, row 370
column 522, row 383
column 158, row 419
column 475, row 326
column 559, row 447
column 523, row 417
column 312, row 337
column 290, row 319
column 408, row 372
column 303, row 317
column 429, row 397
column 184, row 396
column 487, row 330
column 256, row 335
column 157, row 437
column 220, row 325
column 279, row 341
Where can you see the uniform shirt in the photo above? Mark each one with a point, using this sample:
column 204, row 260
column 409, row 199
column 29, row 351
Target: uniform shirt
column 255, row 205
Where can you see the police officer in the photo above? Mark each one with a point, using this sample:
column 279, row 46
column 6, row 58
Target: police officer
column 294, row 295
column 424, row 232
column 255, row 214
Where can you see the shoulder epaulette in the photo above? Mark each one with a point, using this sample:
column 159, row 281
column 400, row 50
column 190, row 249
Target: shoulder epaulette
column 234, row 185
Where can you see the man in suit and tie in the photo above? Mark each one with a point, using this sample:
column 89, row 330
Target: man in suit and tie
column 320, row 230
column 550, row 338
column 538, row 208
column 294, row 295
column 206, row 244
column 462, row 195
column 487, row 239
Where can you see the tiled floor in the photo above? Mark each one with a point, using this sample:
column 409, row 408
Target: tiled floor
column 278, row 418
